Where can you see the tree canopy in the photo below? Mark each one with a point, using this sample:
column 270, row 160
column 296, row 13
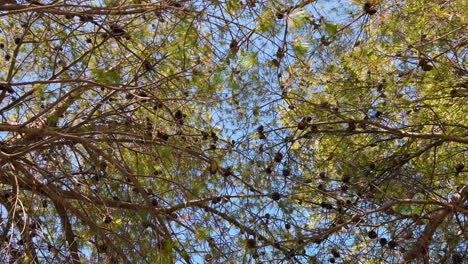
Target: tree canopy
column 209, row 131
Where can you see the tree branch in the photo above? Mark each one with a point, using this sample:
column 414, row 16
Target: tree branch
column 421, row 247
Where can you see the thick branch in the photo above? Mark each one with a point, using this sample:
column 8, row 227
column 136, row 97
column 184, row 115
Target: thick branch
column 421, row 247
column 69, row 235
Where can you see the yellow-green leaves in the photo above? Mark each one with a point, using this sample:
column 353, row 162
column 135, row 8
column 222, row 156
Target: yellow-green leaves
column 107, row 76
column 266, row 21
column 300, row 47
column 247, row 60
column 214, row 167
column 298, row 18
column 331, row 29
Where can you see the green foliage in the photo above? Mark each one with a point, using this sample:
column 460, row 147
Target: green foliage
column 233, row 131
